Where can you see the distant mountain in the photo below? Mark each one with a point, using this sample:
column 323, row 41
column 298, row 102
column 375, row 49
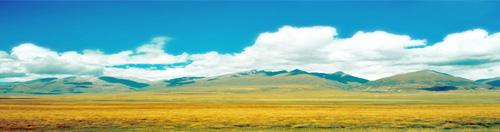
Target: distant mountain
column 259, row 80
column 242, row 82
column 74, row 85
column 425, row 80
column 253, row 81
column 492, row 81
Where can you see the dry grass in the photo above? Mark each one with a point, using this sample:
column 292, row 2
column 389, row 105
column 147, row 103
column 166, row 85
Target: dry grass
column 244, row 116
column 303, row 111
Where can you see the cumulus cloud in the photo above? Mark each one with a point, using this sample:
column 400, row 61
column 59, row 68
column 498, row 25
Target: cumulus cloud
column 291, row 45
column 28, row 61
column 51, row 65
column 4, row 56
column 472, row 45
column 471, row 54
column 30, row 51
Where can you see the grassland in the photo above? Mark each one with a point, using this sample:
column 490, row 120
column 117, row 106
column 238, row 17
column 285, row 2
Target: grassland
column 301, row 111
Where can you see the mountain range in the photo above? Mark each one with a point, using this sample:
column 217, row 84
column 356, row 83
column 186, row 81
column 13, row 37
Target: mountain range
column 426, row 80
column 253, row 81
column 492, row 81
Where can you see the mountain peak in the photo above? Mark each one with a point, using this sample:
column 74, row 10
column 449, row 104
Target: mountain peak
column 253, row 71
column 342, row 74
column 339, row 72
column 297, row 71
column 429, row 72
column 423, row 80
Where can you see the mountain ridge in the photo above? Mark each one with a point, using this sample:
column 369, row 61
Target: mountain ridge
column 73, row 85
column 277, row 80
column 247, row 82
column 491, row 81
column 423, row 80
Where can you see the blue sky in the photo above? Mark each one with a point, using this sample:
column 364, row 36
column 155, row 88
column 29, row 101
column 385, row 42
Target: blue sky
column 157, row 40
column 226, row 27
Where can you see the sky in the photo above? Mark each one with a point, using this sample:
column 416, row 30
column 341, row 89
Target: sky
column 157, row 40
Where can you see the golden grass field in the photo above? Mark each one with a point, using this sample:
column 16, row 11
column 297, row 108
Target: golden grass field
column 326, row 111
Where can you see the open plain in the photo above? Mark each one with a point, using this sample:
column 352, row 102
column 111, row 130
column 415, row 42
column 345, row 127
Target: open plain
column 300, row 111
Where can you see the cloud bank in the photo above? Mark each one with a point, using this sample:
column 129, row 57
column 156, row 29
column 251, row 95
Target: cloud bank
column 472, row 54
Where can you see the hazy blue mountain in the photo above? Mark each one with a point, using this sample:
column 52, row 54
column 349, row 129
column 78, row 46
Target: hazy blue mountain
column 492, row 81
column 73, row 85
column 260, row 80
column 252, row 81
column 425, row 80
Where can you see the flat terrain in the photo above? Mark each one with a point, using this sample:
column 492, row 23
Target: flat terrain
column 314, row 111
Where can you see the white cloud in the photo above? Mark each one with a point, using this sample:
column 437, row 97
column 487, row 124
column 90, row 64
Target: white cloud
column 30, row 51
column 471, row 54
column 472, row 44
column 54, row 66
column 4, row 56
column 147, row 74
column 371, row 46
column 291, row 45
column 34, row 61
column 154, row 47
